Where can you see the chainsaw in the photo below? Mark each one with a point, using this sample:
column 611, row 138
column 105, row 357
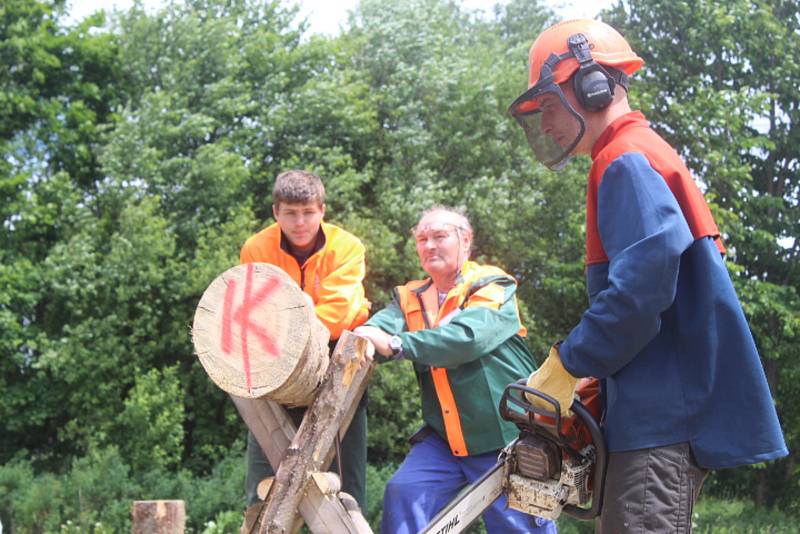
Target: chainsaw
column 557, row 464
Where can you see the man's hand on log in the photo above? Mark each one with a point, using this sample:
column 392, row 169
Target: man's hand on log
column 377, row 338
column 369, row 354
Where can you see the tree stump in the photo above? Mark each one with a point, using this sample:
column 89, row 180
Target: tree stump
column 256, row 334
column 158, row 517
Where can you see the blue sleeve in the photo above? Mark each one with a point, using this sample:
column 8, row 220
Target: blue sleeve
column 644, row 235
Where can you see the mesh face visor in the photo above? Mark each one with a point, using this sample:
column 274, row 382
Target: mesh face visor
column 552, row 133
column 552, row 126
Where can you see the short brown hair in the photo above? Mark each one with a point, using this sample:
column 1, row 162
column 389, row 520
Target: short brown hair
column 298, row 187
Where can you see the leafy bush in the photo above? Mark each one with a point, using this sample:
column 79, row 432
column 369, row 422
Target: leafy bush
column 14, row 477
column 569, row 525
column 377, row 477
column 716, row 516
column 94, row 496
column 208, row 498
column 224, row 523
column 152, row 421
column 394, row 412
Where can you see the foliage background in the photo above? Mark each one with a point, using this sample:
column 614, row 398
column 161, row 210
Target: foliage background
column 139, row 151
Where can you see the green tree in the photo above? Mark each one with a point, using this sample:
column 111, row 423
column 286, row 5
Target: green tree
column 54, row 97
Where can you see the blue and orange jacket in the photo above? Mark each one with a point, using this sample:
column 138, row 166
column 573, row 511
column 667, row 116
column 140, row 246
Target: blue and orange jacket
column 465, row 352
column 333, row 275
column 664, row 328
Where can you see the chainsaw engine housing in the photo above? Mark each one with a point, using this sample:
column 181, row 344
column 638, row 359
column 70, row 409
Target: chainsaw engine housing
column 537, row 457
column 555, row 465
column 541, row 479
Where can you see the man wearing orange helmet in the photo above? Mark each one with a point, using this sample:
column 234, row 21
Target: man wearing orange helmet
column 683, row 387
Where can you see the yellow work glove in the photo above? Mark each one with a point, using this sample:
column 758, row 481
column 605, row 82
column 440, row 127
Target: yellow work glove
column 552, row 379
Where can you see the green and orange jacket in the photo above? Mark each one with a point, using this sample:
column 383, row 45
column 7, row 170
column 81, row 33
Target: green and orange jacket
column 464, row 353
column 333, row 275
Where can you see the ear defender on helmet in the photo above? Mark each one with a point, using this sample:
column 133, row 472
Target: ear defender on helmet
column 592, row 84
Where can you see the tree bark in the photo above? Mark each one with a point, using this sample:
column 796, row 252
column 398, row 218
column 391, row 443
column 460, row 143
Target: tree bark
column 158, row 517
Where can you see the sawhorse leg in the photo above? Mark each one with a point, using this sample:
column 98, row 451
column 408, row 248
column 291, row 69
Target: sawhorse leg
column 300, row 456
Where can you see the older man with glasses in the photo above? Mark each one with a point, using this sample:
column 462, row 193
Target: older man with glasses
column 460, row 328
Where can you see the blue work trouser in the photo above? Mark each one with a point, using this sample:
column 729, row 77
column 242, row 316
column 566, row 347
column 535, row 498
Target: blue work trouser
column 429, row 478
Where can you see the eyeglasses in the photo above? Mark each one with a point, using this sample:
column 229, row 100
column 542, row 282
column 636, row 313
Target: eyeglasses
column 438, row 233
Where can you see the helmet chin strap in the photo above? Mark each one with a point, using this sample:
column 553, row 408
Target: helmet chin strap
column 561, row 164
column 578, row 115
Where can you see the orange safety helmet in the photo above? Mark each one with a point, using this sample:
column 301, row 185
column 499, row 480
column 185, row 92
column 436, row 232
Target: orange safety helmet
column 597, row 59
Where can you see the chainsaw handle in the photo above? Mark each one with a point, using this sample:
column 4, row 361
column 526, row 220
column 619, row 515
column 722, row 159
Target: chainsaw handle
column 601, row 460
column 522, row 418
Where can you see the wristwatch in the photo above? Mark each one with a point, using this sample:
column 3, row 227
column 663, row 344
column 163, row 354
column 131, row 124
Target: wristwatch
column 396, row 344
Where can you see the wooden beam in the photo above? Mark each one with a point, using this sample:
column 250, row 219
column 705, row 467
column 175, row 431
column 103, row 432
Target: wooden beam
column 312, row 446
column 274, row 430
column 270, row 425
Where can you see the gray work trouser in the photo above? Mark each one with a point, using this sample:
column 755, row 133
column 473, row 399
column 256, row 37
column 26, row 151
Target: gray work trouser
column 650, row 491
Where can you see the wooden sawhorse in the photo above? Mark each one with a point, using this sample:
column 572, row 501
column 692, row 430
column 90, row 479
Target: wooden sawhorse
column 301, row 456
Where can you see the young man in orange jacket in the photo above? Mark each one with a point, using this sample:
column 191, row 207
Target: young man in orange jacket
column 328, row 263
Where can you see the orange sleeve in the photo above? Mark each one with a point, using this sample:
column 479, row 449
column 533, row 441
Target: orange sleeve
column 245, row 256
column 341, row 303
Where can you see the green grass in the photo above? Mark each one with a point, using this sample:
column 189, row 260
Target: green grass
column 93, row 497
column 715, row 516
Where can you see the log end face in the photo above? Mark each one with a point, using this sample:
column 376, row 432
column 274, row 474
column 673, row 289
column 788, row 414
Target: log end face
column 252, row 329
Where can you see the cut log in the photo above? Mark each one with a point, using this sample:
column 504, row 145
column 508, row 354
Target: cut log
column 158, row 517
column 256, row 334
